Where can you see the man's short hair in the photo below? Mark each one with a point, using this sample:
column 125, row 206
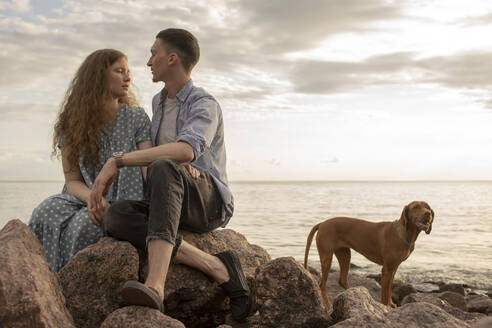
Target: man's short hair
column 183, row 43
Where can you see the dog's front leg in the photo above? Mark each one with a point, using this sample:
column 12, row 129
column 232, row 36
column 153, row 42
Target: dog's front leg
column 388, row 273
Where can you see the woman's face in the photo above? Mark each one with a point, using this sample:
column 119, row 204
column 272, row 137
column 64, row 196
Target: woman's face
column 118, row 78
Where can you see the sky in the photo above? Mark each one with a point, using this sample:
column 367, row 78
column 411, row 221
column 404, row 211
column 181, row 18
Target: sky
column 310, row 90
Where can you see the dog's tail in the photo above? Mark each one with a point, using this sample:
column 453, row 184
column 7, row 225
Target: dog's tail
column 308, row 244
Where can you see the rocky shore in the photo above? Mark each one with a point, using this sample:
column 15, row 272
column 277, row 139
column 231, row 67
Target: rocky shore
column 85, row 293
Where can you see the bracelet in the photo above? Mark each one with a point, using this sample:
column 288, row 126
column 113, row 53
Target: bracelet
column 118, row 157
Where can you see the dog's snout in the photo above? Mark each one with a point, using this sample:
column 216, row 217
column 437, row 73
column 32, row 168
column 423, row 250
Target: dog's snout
column 427, row 216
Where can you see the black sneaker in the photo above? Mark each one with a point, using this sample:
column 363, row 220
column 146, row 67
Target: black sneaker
column 241, row 300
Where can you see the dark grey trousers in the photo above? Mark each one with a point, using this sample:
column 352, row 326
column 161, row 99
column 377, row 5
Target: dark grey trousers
column 176, row 201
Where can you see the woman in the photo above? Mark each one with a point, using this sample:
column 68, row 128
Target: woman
column 97, row 119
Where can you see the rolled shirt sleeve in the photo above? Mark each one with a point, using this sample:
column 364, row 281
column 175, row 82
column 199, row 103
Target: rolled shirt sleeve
column 200, row 127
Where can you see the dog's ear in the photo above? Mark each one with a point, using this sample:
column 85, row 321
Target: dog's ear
column 404, row 217
column 428, row 231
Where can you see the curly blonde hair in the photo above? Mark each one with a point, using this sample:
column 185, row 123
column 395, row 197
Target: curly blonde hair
column 82, row 112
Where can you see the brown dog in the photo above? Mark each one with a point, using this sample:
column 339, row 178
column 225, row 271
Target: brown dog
column 384, row 243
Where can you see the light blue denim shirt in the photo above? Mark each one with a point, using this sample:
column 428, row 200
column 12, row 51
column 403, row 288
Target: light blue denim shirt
column 199, row 123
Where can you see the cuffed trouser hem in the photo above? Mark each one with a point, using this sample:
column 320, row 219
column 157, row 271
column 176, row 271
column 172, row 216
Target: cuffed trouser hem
column 176, row 243
column 160, row 236
column 179, row 239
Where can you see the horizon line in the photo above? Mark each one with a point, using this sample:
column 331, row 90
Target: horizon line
column 285, row 181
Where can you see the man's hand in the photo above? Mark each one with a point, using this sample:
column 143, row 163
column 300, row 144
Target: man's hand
column 194, row 172
column 97, row 204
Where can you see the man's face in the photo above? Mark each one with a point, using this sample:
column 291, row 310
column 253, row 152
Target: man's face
column 158, row 61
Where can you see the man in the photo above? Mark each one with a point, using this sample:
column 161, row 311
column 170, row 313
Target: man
column 186, row 180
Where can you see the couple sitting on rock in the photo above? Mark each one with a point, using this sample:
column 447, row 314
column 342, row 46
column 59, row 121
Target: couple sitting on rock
column 117, row 184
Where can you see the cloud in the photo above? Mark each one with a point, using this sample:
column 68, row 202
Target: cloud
column 27, row 111
column 282, row 26
column 321, row 77
column 330, row 161
column 477, row 20
column 243, row 41
column 244, row 46
column 468, row 70
column 18, row 6
column 273, row 162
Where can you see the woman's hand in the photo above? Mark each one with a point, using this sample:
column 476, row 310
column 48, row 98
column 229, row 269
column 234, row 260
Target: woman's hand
column 194, row 172
column 96, row 202
column 96, row 213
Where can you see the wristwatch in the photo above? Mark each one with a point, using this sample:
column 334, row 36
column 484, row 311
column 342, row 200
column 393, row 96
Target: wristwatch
column 118, row 156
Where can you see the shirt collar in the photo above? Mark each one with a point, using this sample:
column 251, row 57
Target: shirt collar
column 185, row 91
column 182, row 94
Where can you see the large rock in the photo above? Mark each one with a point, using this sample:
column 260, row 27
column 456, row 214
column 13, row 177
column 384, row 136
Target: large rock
column 92, row 280
column 357, row 302
column 483, row 323
column 30, row 295
column 358, row 309
column 479, row 303
column 454, row 299
column 251, row 256
column 288, row 296
column 191, row 296
column 423, row 315
column 354, row 279
column 437, row 300
column 139, row 317
column 400, row 291
column 456, row 288
column 426, row 287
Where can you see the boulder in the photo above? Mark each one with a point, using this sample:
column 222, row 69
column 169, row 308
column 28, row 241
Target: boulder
column 30, row 294
column 426, row 287
column 454, row 299
column 191, row 296
column 479, row 303
column 483, row 323
column 288, row 296
column 356, row 308
column 251, row 322
column 400, row 291
column 436, row 300
column 251, row 256
column 92, row 280
column 375, row 276
column 354, row 279
column 455, row 288
column 424, row 315
column 357, row 302
column 140, row 317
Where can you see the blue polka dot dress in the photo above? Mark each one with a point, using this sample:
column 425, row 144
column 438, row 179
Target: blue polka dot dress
column 61, row 222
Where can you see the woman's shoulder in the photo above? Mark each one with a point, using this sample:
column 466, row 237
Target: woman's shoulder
column 133, row 110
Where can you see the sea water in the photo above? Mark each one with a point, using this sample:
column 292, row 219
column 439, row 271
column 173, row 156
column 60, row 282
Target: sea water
column 279, row 215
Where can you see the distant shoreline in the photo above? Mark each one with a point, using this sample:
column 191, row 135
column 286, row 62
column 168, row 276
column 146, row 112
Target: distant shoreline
column 296, row 181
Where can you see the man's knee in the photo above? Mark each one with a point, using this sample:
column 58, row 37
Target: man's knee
column 163, row 167
column 113, row 220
